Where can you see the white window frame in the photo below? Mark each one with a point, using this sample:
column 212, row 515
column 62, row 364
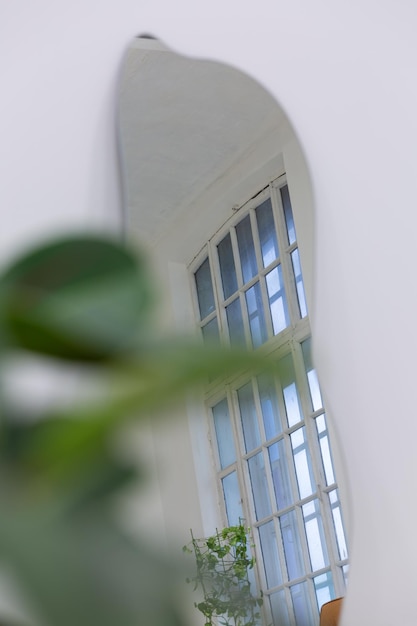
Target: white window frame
column 287, row 341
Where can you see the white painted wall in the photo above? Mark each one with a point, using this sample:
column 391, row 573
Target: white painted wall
column 345, row 74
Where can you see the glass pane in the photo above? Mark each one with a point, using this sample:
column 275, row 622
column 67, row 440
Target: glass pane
column 316, row 541
column 313, row 382
column 315, row 393
column 267, row 234
column 295, row 257
column 235, row 323
column 324, row 588
column 256, row 315
column 280, row 474
column 326, row 456
column 302, row 606
column 302, row 462
column 259, row 486
column 292, row 545
column 204, row 289
column 277, row 300
column 269, row 405
column 268, row 539
column 246, row 249
column 224, row 433
column 249, row 417
column 289, row 220
column 338, row 524
column 279, row 609
column 211, row 332
column 232, row 499
column 292, row 404
column 289, row 390
column 227, row 266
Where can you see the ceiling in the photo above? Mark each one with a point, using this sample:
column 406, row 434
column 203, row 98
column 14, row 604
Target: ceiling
column 183, row 123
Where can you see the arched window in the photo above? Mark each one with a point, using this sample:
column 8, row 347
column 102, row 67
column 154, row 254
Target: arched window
column 270, row 438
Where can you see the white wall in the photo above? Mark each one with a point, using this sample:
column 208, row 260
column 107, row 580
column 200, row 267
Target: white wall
column 345, row 74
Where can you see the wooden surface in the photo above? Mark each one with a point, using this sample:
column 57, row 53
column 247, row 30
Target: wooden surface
column 330, row 613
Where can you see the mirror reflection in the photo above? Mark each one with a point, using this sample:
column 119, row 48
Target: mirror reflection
column 217, row 190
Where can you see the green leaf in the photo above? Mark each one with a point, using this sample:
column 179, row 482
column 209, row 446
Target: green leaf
column 222, row 575
column 84, row 571
column 89, row 299
column 82, row 298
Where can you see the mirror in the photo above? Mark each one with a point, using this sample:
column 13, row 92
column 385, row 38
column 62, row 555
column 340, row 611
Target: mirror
column 217, row 190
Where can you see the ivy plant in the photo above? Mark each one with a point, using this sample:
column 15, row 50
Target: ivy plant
column 223, row 562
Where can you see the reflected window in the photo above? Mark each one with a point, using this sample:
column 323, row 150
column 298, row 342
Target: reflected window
column 272, row 445
column 258, row 269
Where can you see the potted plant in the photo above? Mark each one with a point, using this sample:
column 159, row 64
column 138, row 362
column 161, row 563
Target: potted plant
column 223, row 563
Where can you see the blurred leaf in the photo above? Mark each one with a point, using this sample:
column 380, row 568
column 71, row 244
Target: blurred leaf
column 89, row 299
column 84, row 571
column 71, row 448
column 64, row 459
column 81, row 298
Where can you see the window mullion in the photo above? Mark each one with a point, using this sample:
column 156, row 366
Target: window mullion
column 315, row 451
column 285, row 256
column 338, row 578
column 196, row 307
column 240, row 293
column 240, row 448
column 255, row 234
column 236, row 256
column 265, row 303
column 216, row 281
column 307, row 410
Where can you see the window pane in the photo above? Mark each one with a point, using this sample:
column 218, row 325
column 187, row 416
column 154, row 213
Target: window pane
column 224, row 433
column 246, row 249
column 256, row 315
column 279, row 609
column 289, row 390
column 292, row 545
column 249, row 417
column 280, row 474
column 295, row 257
column 211, row 332
column 232, row 499
column 302, row 606
column 324, row 588
column 338, row 524
column 313, row 382
column 269, row 405
column 227, row 266
column 268, row 539
column 313, row 523
column 204, row 289
column 315, row 393
column 259, row 486
column 289, row 220
column 292, row 404
column 302, row 462
column 277, row 300
column 326, row 456
column 235, row 323
column 267, row 234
